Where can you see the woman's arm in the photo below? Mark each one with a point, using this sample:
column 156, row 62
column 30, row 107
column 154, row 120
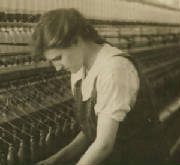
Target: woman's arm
column 117, row 87
column 70, row 152
column 103, row 145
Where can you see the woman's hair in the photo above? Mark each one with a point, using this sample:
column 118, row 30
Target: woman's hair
column 60, row 28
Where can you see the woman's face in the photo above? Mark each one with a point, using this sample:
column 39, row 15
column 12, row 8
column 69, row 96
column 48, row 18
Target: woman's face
column 70, row 59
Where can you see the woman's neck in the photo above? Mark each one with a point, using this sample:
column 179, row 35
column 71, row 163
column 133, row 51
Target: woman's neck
column 92, row 50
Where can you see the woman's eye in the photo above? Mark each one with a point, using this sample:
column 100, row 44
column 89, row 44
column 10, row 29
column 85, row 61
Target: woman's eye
column 57, row 58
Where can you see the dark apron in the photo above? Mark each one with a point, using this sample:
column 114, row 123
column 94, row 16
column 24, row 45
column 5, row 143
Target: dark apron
column 136, row 140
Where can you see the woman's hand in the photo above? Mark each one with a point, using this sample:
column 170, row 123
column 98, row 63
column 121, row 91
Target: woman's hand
column 70, row 152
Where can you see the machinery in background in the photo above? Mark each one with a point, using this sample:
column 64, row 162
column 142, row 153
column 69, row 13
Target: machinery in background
column 36, row 103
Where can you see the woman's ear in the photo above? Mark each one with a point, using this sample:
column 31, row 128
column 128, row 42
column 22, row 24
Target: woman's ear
column 77, row 41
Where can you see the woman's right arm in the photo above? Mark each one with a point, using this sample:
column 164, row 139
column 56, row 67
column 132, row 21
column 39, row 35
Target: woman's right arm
column 70, row 152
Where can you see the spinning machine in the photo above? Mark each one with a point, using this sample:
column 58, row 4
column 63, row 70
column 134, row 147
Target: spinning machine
column 36, row 102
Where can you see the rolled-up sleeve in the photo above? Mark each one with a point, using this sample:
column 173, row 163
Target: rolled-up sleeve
column 117, row 88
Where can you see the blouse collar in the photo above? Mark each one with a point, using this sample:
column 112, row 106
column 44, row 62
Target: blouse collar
column 104, row 54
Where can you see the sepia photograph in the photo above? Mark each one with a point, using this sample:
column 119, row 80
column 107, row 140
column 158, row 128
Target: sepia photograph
column 89, row 82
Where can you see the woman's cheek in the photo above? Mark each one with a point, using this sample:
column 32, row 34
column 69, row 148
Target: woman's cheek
column 70, row 61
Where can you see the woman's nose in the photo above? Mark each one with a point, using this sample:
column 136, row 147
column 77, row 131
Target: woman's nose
column 59, row 67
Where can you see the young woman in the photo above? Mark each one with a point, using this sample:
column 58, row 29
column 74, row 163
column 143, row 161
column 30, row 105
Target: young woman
column 113, row 107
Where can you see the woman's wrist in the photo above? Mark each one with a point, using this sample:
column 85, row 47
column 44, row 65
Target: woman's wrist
column 60, row 157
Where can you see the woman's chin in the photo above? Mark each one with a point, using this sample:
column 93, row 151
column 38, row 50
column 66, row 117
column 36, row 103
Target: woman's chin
column 73, row 69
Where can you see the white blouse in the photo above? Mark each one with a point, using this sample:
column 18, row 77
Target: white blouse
column 117, row 83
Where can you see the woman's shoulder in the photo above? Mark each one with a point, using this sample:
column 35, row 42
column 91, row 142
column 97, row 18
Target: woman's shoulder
column 119, row 70
column 119, row 63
